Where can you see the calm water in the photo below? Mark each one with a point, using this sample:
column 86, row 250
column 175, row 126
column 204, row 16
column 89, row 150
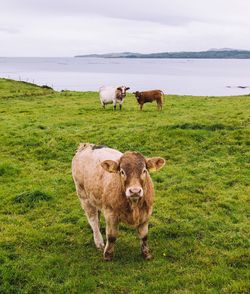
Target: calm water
column 173, row 76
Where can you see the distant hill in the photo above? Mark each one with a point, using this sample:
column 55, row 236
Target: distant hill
column 224, row 53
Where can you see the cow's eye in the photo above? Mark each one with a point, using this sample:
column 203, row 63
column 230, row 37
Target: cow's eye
column 122, row 172
column 144, row 172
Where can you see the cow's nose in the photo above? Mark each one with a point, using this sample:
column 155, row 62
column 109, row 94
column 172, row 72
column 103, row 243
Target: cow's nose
column 135, row 190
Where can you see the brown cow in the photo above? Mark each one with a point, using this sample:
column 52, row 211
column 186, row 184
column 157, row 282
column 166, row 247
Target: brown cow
column 149, row 96
column 120, row 186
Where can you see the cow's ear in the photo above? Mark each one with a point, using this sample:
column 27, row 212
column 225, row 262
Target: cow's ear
column 119, row 89
column 155, row 163
column 127, row 88
column 110, row 166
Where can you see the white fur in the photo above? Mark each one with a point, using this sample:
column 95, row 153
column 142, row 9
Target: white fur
column 108, row 95
column 105, row 153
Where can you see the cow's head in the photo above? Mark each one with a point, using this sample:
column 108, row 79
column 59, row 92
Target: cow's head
column 121, row 92
column 133, row 169
column 137, row 95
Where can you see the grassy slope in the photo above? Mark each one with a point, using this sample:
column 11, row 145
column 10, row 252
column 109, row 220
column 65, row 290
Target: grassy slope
column 199, row 232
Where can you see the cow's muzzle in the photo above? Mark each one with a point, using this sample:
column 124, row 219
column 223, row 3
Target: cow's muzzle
column 134, row 193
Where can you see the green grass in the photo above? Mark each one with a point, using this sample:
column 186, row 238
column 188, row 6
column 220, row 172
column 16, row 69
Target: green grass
column 199, row 230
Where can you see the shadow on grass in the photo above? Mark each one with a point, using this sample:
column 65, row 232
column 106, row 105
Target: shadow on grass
column 30, row 199
column 196, row 126
column 7, row 169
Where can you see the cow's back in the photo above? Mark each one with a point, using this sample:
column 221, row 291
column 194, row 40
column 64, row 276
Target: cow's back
column 91, row 180
column 152, row 93
column 107, row 93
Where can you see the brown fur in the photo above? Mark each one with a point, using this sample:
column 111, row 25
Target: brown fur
column 102, row 176
column 120, row 95
column 150, row 96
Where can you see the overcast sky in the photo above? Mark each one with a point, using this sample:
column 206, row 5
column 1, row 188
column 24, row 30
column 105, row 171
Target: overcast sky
column 71, row 27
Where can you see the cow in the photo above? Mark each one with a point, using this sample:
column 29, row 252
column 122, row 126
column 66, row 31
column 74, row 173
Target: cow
column 110, row 94
column 149, row 96
column 118, row 185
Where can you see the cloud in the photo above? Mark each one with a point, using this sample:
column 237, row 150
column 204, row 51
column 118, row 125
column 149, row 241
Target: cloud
column 70, row 27
column 9, row 30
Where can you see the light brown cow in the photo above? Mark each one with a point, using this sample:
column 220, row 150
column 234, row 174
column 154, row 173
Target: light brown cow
column 120, row 186
column 149, row 96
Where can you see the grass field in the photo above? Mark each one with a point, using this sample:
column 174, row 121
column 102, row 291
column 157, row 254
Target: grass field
column 199, row 230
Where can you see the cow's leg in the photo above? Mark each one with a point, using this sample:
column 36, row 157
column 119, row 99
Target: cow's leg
column 120, row 106
column 93, row 219
column 102, row 103
column 99, row 217
column 111, row 235
column 159, row 105
column 141, row 105
column 143, row 235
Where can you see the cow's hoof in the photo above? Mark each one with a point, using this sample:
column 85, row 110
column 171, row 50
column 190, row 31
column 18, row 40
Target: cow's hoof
column 100, row 246
column 148, row 256
column 108, row 256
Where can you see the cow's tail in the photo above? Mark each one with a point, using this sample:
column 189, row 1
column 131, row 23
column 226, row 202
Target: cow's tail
column 82, row 146
column 162, row 97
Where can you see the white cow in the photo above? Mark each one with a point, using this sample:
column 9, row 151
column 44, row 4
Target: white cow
column 111, row 94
